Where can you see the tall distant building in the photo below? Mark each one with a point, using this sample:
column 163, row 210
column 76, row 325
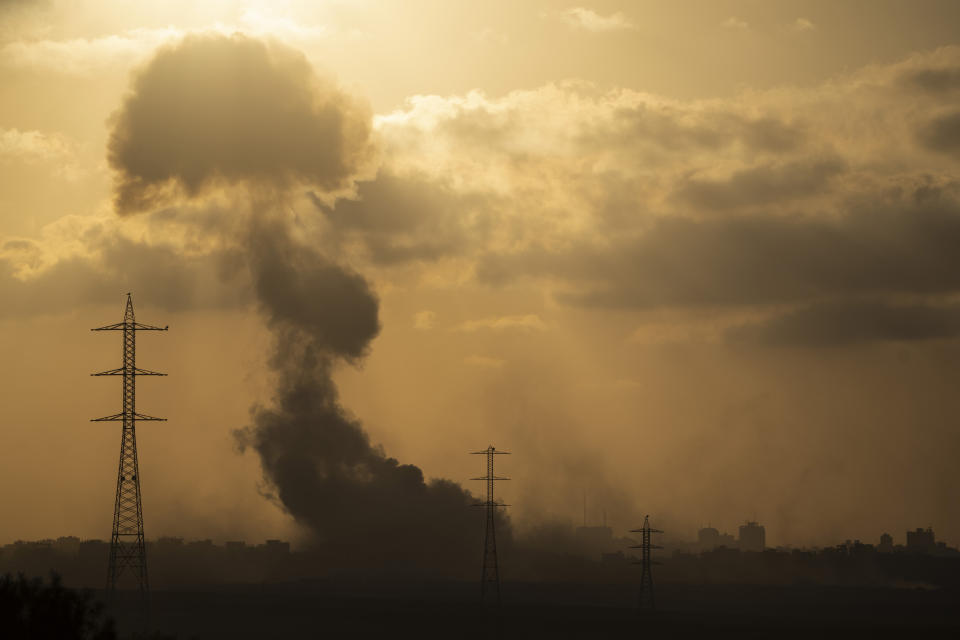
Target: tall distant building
column 753, row 537
column 727, row 540
column 886, row 543
column 921, row 541
column 708, row 539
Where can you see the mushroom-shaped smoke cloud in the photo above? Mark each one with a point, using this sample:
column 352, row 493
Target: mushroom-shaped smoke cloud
column 234, row 115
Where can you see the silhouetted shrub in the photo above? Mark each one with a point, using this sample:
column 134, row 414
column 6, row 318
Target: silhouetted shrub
column 32, row 609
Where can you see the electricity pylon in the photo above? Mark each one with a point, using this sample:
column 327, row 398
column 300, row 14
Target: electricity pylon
column 127, row 543
column 491, row 567
column 645, row 600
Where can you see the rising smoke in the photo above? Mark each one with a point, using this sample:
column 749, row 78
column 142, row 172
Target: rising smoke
column 249, row 120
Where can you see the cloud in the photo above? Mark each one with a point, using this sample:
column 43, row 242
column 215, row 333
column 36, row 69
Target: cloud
column 229, row 110
column 762, row 184
column 529, row 322
column 933, row 79
column 610, row 199
column 51, row 150
column 735, row 24
column 89, row 56
column 625, row 200
column 407, row 218
column 589, row 20
column 102, row 262
column 30, row 145
column 852, row 322
column 424, row 320
column 86, row 56
column 802, row 24
column 900, row 246
column 942, row 133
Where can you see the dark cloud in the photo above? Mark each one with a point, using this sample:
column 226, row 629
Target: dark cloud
column 908, row 245
column 849, row 322
column 175, row 281
column 115, row 265
column 771, row 134
column 214, row 109
column 762, row 184
column 643, row 124
column 933, row 80
column 18, row 244
column 942, row 133
column 410, row 218
column 677, row 131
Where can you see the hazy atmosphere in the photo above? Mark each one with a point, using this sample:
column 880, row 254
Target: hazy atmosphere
column 696, row 260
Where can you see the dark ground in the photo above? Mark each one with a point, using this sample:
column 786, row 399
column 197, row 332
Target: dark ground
column 354, row 609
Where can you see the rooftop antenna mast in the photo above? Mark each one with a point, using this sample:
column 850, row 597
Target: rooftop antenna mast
column 491, row 569
column 645, row 600
column 127, row 543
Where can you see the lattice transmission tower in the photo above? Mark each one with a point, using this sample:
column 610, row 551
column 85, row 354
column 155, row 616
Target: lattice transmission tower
column 127, row 544
column 646, row 600
column 490, row 579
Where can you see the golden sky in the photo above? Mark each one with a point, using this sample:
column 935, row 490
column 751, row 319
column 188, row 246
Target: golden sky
column 698, row 259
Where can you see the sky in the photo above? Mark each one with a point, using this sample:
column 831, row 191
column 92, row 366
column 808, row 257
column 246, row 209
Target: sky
column 698, row 260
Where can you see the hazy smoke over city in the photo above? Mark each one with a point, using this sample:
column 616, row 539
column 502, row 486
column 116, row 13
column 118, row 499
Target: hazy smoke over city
column 252, row 120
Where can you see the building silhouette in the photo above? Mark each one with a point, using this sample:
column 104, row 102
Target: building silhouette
column 708, row 539
column 921, row 541
column 753, row 537
column 886, row 543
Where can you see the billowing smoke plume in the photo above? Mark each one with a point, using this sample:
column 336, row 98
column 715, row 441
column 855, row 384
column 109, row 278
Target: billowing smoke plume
column 367, row 506
column 218, row 110
column 248, row 118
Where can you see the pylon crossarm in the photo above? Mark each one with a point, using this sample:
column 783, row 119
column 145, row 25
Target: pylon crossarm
column 146, row 372
column 139, row 326
column 145, row 417
column 121, row 371
column 119, row 326
column 487, row 478
column 117, row 417
column 136, row 326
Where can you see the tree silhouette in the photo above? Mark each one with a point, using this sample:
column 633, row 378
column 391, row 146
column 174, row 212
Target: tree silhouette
column 31, row 609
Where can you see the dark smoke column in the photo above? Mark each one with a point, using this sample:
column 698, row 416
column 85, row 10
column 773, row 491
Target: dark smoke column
column 232, row 115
